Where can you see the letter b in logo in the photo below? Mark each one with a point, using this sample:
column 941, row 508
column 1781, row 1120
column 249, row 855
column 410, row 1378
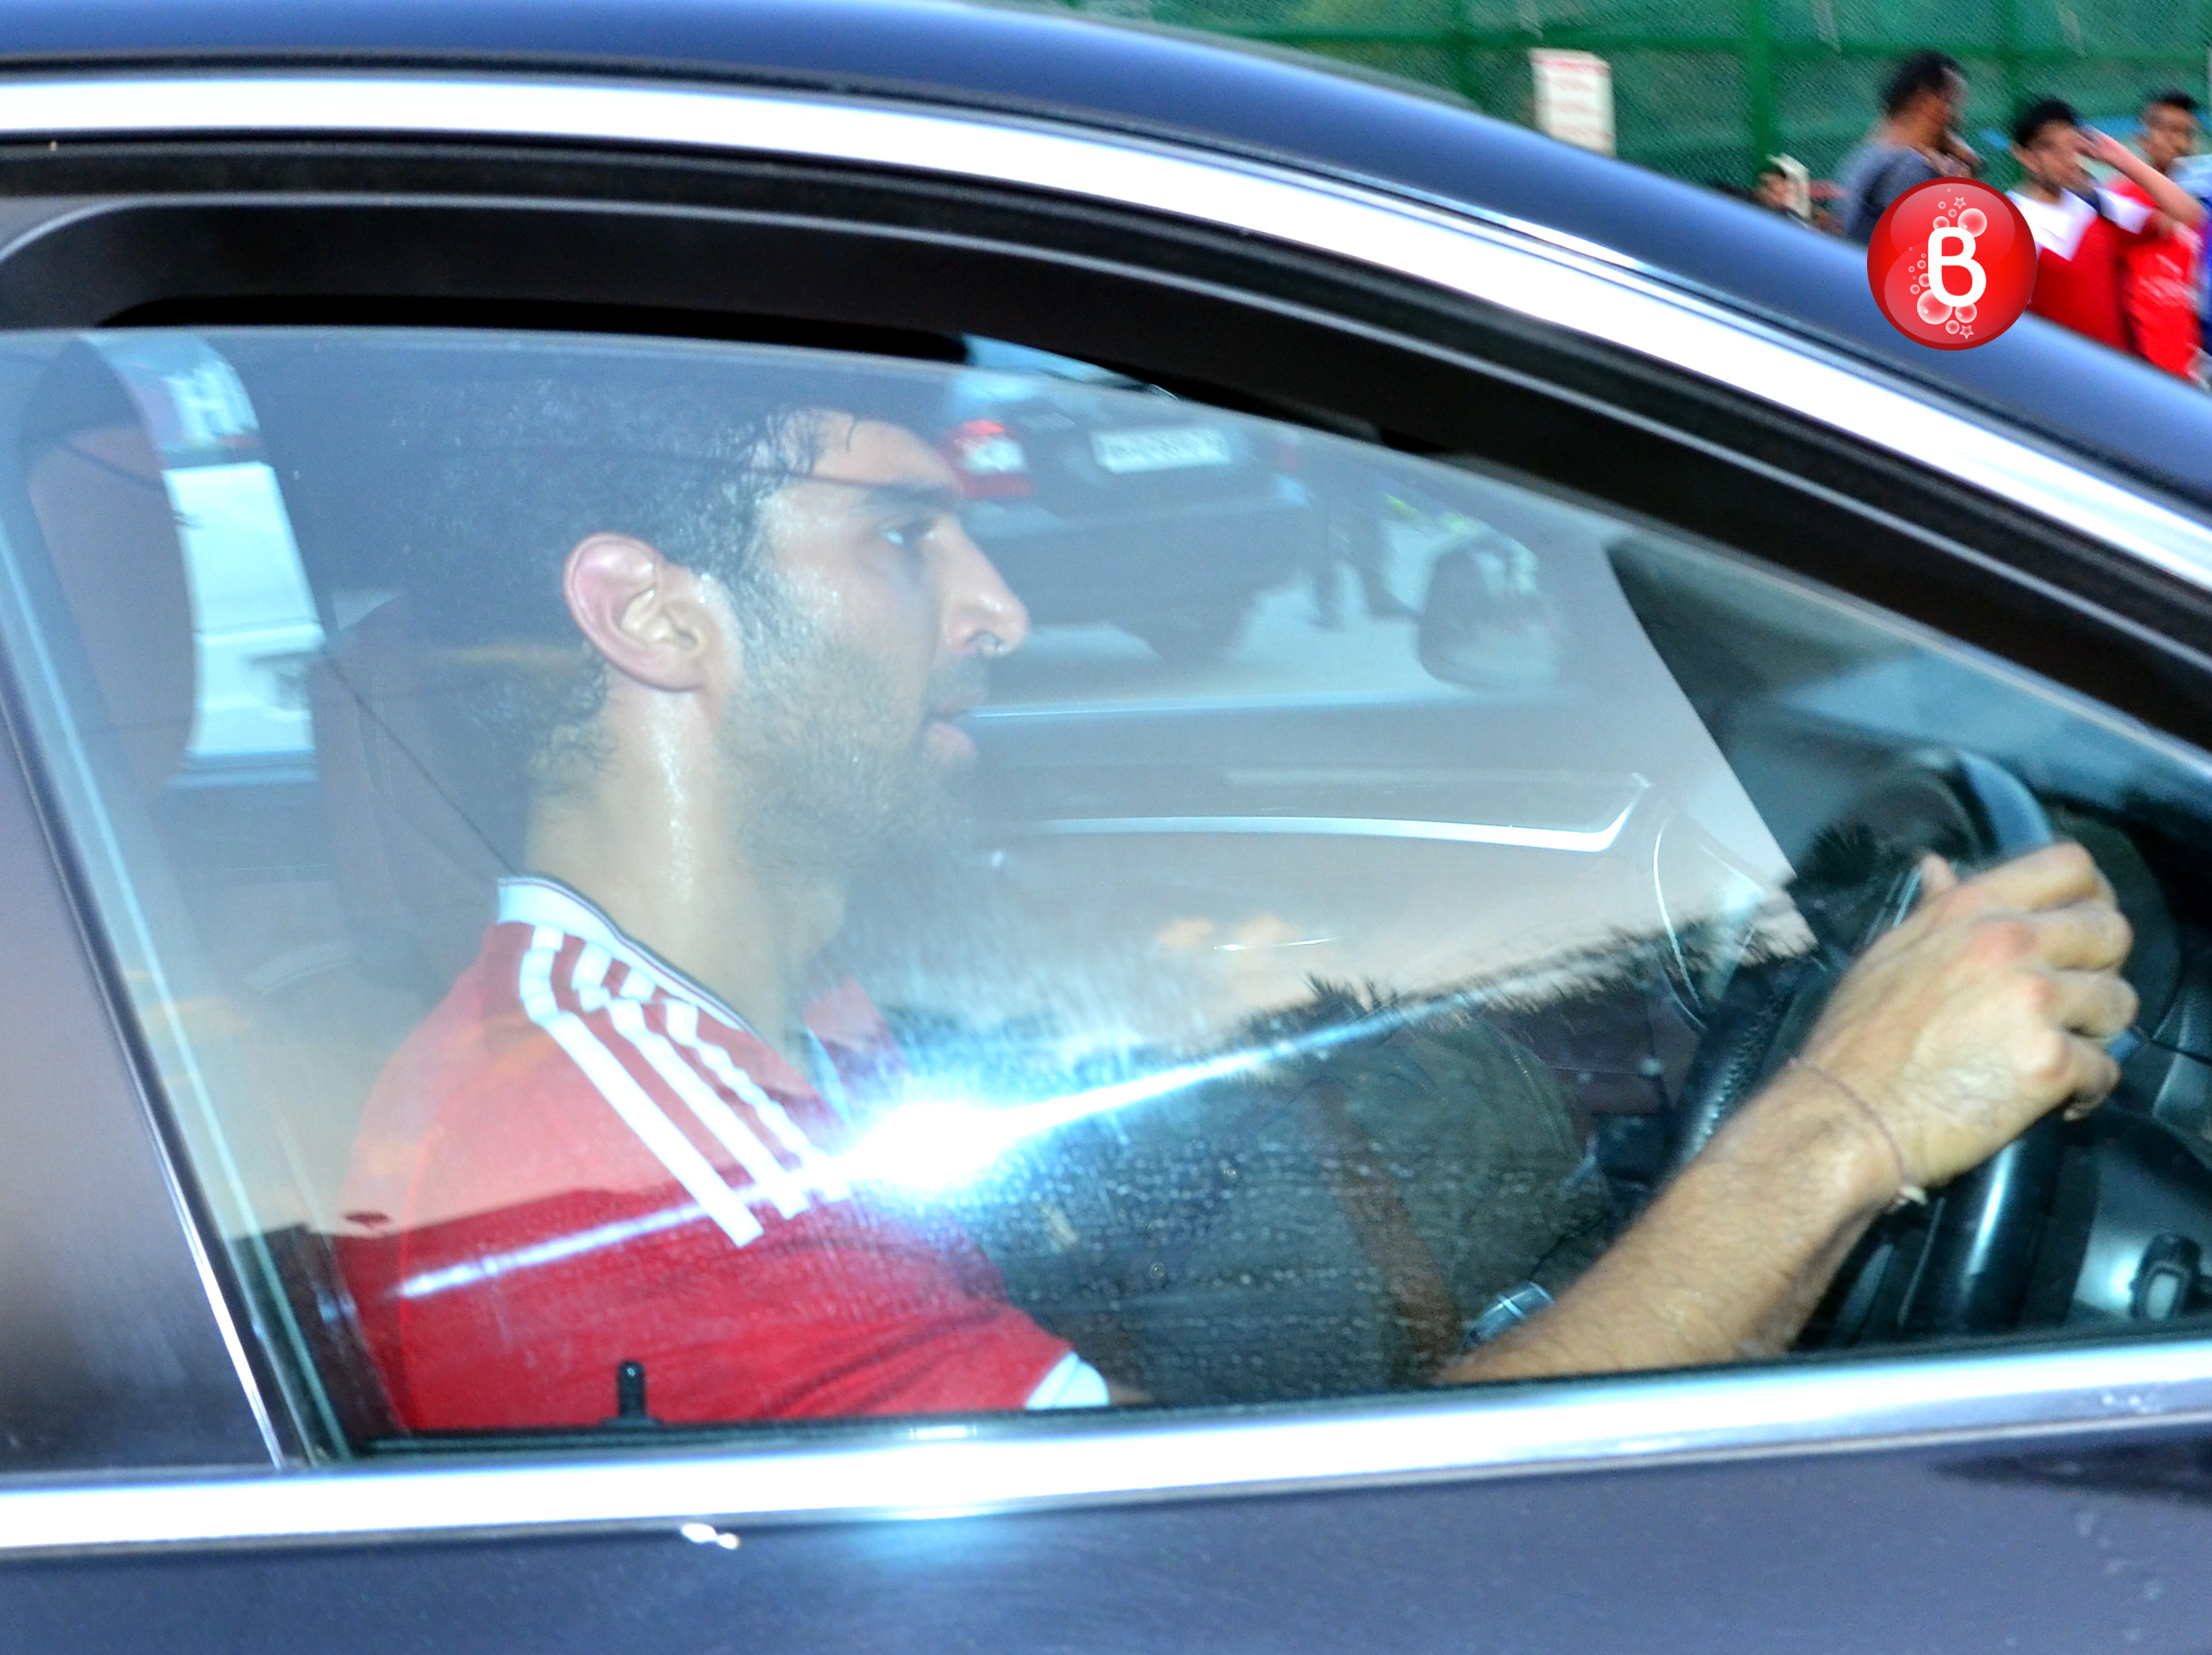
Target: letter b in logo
column 1952, row 263
column 1951, row 248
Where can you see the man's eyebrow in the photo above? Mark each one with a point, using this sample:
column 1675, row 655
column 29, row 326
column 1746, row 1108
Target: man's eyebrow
column 917, row 495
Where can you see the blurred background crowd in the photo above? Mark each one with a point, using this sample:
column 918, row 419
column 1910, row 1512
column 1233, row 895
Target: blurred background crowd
column 2088, row 113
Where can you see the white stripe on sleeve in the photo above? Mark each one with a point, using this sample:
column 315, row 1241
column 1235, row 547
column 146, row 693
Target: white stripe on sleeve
column 769, row 1175
column 1072, row 1382
column 626, row 1009
column 623, row 1093
column 822, row 1173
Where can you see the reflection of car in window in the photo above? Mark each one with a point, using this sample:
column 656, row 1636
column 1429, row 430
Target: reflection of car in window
column 254, row 626
column 1143, row 510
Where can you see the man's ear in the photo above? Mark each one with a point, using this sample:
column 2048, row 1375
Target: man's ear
column 644, row 614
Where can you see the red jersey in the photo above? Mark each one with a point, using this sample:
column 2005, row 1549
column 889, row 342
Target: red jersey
column 2078, row 252
column 583, row 1159
column 2158, row 289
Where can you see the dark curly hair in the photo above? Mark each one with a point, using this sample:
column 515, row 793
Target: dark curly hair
column 511, row 458
column 1922, row 71
column 2027, row 125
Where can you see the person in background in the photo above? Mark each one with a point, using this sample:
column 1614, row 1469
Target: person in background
column 2193, row 172
column 1782, row 189
column 2159, row 278
column 1824, row 197
column 2086, row 231
column 1915, row 140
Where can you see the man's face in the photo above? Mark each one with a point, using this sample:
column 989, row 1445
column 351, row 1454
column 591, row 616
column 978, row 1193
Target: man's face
column 2053, row 157
column 866, row 629
column 1954, row 102
column 1774, row 191
column 1939, row 108
column 2169, row 134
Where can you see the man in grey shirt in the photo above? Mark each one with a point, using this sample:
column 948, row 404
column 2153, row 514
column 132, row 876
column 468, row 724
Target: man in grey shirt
column 1914, row 141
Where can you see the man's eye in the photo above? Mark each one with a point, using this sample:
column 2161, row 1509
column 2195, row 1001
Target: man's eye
column 908, row 536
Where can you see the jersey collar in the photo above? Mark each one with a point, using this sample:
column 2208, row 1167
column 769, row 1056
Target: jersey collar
column 534, row 899
column 2058, row 226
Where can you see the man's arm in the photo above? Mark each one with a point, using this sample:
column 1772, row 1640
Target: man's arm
column 1981, row 1013
column 2175, row 205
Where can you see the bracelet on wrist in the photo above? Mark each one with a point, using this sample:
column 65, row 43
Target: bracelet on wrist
column 1908, row 1194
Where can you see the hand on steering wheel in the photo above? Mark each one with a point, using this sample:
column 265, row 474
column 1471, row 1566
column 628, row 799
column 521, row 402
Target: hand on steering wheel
column 1987, row 1007
column 1958, row 1009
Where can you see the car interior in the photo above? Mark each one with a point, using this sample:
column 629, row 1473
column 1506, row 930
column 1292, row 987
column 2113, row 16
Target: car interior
column 1560, row 804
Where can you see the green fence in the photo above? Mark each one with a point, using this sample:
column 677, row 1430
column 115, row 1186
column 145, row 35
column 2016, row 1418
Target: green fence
column 1703, row 91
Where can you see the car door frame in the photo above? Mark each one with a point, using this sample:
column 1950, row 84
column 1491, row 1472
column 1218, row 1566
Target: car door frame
column 2101, row 567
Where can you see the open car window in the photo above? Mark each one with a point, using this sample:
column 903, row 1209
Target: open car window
column 1366, row 879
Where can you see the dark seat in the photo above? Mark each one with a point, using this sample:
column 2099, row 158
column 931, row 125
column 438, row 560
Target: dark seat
column 321, row 1304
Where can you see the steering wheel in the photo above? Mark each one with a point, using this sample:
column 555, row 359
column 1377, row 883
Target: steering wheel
column 1962, row 1264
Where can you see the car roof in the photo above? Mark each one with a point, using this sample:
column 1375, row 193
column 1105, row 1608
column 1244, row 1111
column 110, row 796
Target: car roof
column 1163, row 83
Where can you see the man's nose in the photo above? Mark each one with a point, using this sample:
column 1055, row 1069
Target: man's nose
column 982, row 615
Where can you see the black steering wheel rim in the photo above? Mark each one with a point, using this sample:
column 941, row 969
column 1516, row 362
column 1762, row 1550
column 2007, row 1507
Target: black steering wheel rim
column 1962, row 1265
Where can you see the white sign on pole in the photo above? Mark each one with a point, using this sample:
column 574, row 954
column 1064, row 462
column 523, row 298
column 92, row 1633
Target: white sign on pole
column 1574, row 97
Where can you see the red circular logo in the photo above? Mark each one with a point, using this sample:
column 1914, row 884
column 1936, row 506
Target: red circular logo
column 1952, row 263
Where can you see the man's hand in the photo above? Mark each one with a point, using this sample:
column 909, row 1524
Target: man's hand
column 1955, row 157
column 2175, row 205
column 2103, row 146
column 1983, row 1011
column 1988, row 1007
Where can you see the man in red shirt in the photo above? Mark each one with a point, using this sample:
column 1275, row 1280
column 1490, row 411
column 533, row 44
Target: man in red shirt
column 738, row 618
column 2085, row 232
column 622, row 1135
column 2162, row 275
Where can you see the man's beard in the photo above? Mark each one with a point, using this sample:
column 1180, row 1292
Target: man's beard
column 836, row 774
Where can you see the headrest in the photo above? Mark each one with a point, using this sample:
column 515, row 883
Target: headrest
column 423, row 821
column 93, row 476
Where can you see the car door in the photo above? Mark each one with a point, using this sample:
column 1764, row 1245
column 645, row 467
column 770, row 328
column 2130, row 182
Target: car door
column 1599, row 652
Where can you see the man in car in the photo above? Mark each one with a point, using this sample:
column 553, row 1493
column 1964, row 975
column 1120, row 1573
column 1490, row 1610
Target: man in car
column 624, row 1135
column 2087, row 233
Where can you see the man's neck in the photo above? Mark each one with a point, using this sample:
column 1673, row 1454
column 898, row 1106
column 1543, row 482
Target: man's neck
column 669, row 866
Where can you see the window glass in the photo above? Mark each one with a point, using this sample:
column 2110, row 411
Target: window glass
column 725, row 883
column 254, row 627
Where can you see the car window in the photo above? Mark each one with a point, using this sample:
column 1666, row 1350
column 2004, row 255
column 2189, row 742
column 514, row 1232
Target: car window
column 720, row 884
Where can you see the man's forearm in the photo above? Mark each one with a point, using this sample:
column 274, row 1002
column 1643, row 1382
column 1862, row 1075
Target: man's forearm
column 2169, row 197
column 1731, row 1258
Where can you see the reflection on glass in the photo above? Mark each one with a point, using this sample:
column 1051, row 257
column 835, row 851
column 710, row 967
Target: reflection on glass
column 876, row 887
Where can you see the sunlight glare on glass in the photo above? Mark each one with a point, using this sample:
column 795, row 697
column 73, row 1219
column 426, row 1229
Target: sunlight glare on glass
column 939, row 1144
column 932, row 1145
